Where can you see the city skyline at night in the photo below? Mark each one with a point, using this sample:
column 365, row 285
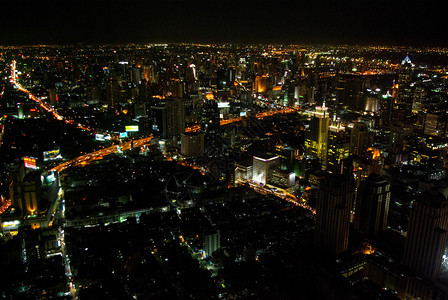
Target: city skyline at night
column 223, row 150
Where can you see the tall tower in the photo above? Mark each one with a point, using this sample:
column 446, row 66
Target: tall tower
column 405, row 96
column 316, row 141
column 334, row 202
column 372, row 205
column 338, row 147
column 427, row 235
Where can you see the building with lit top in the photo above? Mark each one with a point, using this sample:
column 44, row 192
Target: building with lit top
column 263, row 167
column 316, row 138
column 338, row 147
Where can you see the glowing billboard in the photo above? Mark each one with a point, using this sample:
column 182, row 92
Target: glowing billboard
column 30, row 162
column 123, row 135
column 131, row 128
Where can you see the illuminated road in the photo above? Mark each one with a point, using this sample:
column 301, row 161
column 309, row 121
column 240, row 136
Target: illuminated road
column 99, row 154
column 279, row 192
column 258, row 116
column 47, row 107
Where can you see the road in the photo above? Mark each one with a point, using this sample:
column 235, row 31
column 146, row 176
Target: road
column 279, row 192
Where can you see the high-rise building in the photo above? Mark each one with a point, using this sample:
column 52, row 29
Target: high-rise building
column 427, row 235
column 338, row 147
column 175, row 114
column 160, row 125
column 405, row 95
column 334, row 202
column 435, row 125
column 192, row 144
column 113, row 94
column 316, row 138
column 351, row 92
column 263, row 166
column 212, row 242
column 386, row 108
column 372, row 205
column 419, row 99
column 210, row 120
column 359, row 139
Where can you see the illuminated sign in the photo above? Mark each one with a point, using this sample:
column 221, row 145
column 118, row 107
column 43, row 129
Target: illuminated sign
column 52, row 155
column 243, row 114
column 131, row 128
column 30, row 162
column 99, row 137
column 123, row 135
column 223, row 104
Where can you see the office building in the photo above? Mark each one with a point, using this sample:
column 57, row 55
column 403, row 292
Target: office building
column 263, row 167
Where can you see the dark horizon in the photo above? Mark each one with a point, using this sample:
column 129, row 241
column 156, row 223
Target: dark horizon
column 250, row 22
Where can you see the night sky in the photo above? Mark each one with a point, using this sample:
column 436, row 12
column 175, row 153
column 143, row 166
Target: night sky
column 248, row 21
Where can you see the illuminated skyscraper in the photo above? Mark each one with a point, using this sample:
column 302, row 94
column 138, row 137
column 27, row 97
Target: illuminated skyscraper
column 334, row 202
column 427, row 235
column 263, row 166
column 316, row 139
column 338, row 147
column 405, row 95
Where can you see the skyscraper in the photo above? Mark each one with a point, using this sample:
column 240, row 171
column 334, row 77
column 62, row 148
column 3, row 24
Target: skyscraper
column 210, row 120
column 338, row 147
column 427, row 235
column 372, row 205
column 316, row 139
column 175, row 112
column 359, row 139
column 334, row 202
column 405, row 95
